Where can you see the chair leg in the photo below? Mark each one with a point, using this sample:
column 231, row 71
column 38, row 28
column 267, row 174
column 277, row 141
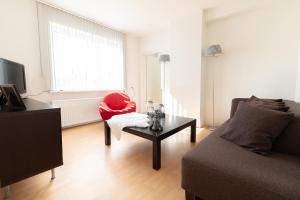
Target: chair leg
column 107, row 134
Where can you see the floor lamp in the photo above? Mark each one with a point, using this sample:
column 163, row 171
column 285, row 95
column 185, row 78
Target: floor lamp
column 163, row 59
column 213, row 51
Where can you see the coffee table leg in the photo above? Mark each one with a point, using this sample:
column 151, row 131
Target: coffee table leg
column 107, row 133
column 156, row 154
column 193, row 132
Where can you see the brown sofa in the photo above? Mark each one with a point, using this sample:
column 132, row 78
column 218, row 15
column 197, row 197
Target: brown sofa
column 219, row 170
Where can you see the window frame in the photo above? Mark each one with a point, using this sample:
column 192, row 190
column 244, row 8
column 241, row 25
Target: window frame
column 45, row 15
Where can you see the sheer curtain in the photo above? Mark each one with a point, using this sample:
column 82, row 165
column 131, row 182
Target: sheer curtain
column 78, row 54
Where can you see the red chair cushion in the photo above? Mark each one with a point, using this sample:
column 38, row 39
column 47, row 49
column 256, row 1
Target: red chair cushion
column 116, row 104
column 116, row 100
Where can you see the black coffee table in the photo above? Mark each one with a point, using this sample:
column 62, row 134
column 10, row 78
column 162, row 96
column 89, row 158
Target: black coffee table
column 171, row 125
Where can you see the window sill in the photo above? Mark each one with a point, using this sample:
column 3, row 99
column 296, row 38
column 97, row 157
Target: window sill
column 80, row 91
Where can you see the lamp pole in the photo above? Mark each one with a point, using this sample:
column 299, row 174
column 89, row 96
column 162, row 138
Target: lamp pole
column 213, row 51
column 213, row 99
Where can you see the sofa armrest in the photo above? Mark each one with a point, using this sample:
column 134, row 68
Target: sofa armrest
column 234, row 104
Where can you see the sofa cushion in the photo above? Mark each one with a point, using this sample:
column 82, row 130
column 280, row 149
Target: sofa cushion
column 267, row 100
column 236, row 101
column 256, row 128
column 217, row 169
column 289, row 141
column 276, row 104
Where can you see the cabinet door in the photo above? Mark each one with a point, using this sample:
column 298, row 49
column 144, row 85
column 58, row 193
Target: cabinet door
column 35, row 144
column 5, row 144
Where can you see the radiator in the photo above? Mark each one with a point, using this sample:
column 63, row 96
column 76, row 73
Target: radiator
column 78, row 111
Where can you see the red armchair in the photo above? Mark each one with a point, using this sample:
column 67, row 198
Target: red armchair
column 116, row 103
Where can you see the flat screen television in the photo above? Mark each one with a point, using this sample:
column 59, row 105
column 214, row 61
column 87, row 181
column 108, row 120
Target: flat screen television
column 13, row 73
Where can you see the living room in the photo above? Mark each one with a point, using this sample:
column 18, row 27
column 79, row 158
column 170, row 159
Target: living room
column 186, row 63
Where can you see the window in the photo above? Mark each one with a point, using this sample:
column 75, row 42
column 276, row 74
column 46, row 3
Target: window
column 81, row 55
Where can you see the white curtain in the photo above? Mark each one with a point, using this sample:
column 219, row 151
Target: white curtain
column 79, row 55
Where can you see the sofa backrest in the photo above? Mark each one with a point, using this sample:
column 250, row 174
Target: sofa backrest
column 289, row 141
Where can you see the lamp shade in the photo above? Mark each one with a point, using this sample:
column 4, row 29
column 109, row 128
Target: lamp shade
column 164, row 58
column 214, row 50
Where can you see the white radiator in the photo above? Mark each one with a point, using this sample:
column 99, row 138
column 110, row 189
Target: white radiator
column 78, row 111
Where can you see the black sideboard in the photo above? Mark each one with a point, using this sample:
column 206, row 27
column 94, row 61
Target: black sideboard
column 30, row 142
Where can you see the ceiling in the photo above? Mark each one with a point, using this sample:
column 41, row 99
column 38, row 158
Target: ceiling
column 138, row 17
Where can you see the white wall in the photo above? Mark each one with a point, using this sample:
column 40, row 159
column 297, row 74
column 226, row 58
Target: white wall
column 156, row 43
column 261, row 49
column 150, row 45
column 297, row 92
column 234, row 7
column 185, row 67
column 19, row 39
column 153, row 79
column 20, row 42
column 182, row 40
column 133, row 68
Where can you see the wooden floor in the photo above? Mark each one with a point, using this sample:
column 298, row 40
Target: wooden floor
column 93, row 171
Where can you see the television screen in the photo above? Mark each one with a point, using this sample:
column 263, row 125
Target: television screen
column 12, row 73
